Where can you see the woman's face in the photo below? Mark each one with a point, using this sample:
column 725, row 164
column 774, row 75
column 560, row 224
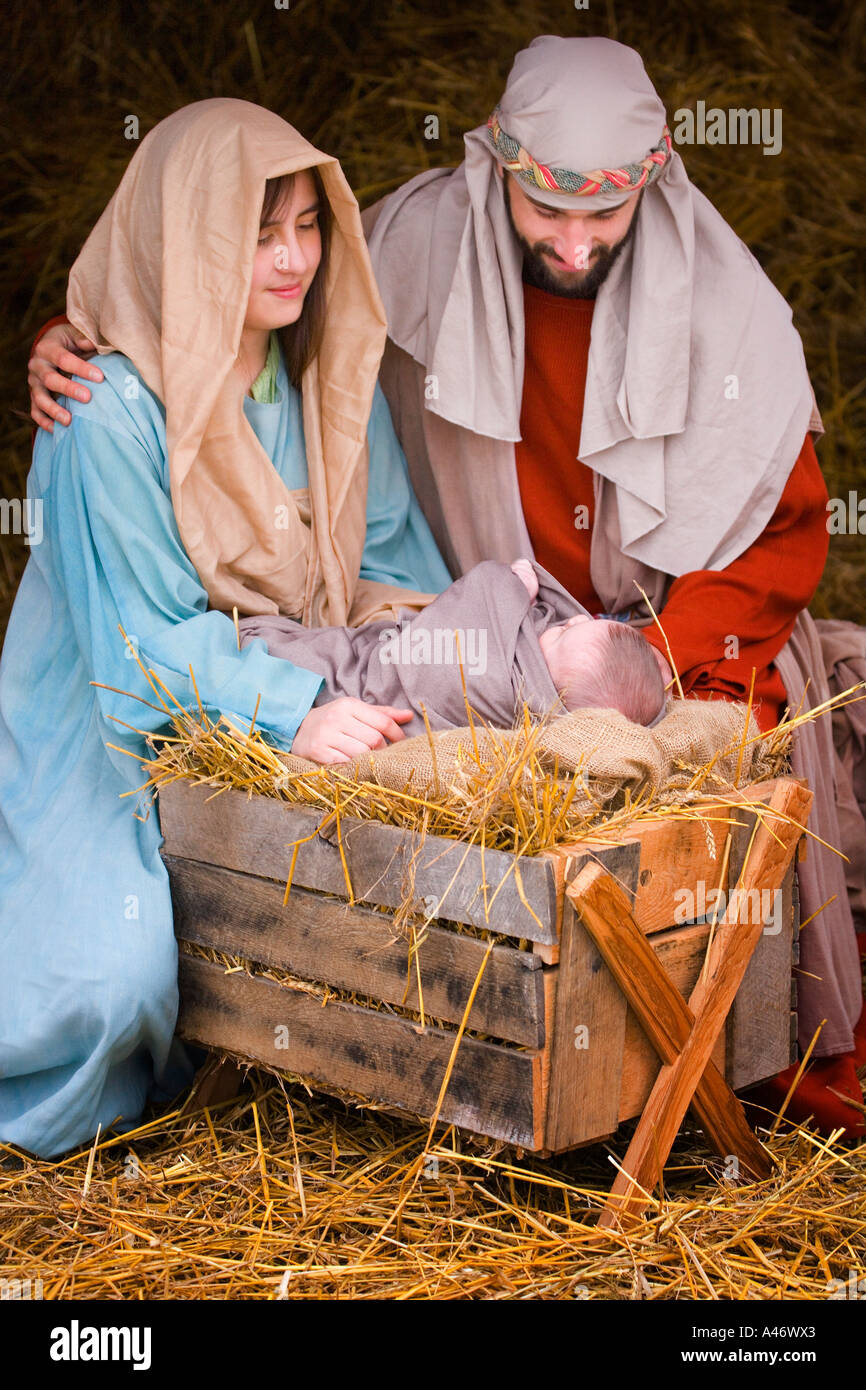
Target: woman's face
column 287, row 258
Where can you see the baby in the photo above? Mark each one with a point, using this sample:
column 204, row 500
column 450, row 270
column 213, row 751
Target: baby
column 512, row 633
column 597, row 662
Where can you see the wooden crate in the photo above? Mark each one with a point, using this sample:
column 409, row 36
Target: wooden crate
column 567, row 1061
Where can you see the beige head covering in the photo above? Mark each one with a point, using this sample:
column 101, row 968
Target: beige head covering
column 164, row 278
column 697, row 397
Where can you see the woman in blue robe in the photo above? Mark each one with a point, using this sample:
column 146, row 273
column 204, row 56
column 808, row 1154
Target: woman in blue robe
column 88, row 989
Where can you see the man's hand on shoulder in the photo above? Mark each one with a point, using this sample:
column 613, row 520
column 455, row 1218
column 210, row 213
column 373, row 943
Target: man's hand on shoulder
column 53, row 356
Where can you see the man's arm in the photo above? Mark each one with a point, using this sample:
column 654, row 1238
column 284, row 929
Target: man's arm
column 722, row 623
column 53, row 352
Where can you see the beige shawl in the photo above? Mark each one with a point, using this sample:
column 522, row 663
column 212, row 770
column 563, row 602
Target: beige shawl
column 164, row 278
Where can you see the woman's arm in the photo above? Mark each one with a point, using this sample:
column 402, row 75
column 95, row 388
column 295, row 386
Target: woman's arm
column 112, row 529
column 399, row 548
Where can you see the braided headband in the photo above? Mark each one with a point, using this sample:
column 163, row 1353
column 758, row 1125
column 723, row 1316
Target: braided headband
column 520, row 162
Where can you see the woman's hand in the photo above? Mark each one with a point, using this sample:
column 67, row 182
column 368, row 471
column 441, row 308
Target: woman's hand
column 346, row 728
column 53, row 351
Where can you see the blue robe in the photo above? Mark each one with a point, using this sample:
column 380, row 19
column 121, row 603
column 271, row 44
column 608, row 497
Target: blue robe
column 88, row 963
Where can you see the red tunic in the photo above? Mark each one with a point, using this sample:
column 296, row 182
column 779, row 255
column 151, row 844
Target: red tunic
column 720, row 623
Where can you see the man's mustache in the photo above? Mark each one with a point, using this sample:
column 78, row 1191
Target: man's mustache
column 541, row 248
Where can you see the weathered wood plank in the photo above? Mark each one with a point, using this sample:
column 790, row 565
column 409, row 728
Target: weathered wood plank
column 255, row 835
column 492, row 1090
column 759, row 1024
column 681, row 953
column 586, row 1067
column 356, row 948
column 676, row 854
column 621, row 861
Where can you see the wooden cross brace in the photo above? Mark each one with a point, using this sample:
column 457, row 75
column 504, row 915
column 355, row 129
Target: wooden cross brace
column 684, row 1035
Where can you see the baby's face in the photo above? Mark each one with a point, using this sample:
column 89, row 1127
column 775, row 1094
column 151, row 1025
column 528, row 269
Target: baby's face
column 580, row 640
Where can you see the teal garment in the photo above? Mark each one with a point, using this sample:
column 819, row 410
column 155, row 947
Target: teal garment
column 88, row 985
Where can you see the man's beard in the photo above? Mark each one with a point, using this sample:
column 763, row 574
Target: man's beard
column 537, row 270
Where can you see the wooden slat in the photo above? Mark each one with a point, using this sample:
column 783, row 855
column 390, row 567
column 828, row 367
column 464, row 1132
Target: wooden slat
column 663, row 1013
column 493, row 1090
column 680, row 953
column 711, row 999
column 584, row 1083
column 355, row 948
column 621, row 861
column 675, row 856
column 675, row 853
column 254, row 835
column 759, row 1024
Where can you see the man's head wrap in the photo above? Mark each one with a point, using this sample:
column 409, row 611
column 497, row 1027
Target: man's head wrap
column 697, row 397
column 607, row 121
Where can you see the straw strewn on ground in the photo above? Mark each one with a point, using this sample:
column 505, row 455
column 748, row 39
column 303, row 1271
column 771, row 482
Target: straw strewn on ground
column 286, row 1194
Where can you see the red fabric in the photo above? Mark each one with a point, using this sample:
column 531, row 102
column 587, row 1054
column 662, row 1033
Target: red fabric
column 755, row 600
column 819, row 1096
column 553, row 481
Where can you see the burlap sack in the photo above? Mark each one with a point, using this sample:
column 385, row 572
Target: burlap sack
column 610, row 753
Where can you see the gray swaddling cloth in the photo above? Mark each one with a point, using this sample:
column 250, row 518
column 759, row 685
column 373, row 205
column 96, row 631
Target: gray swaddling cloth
column 415, row 663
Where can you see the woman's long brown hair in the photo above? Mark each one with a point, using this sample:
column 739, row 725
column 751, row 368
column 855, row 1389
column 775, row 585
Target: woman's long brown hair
column 300, row 341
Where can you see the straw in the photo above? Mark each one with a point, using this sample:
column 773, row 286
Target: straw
column 377, row 71
column 191, row 1218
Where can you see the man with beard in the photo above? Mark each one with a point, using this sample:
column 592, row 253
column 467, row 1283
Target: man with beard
column 584, row 357
column 586, row 365
column 592, row 260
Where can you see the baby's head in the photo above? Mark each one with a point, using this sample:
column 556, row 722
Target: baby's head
column 596, row 662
